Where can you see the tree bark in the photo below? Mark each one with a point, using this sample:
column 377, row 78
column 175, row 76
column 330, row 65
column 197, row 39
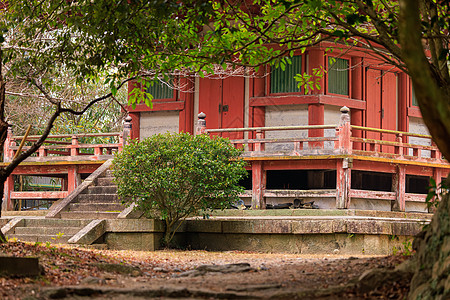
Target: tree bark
column 432, row 270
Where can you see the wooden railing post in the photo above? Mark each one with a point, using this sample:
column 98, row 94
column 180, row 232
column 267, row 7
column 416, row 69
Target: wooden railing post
column 399, row 149
column 8, row 154
column 74, row 149
column 259, row 135
column 201, row 124
column 436, row 154
column 344, row 132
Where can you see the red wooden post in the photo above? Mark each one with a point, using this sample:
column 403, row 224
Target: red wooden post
column 42, row 152
column 9, row 188
column 135, row 121
column 74, row 150
column 73, row 178
column 258, row 185
column 98, row 150
column 259, row 135
column 399, row 187
column 315, row 117
column 201, row 124
column 345, row 144
column 436, row 154
column 399, row 148
column 437, row 176
column 343, row 183
column 7, row 152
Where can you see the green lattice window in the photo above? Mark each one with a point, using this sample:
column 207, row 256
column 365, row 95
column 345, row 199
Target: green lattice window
column 160, row 90
column 338, row 76
column 283, row 81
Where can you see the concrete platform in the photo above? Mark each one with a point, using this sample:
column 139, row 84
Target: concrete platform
column 350, row 232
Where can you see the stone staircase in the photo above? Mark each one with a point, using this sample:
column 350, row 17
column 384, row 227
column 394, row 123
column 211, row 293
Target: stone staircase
column 99, row 201
column 55, row 231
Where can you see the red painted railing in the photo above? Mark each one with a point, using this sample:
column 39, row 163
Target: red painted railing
column 368, row 142
column 64, row 156
column 62, row 146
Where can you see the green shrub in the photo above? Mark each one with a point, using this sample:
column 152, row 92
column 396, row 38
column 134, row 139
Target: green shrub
column 172, row 176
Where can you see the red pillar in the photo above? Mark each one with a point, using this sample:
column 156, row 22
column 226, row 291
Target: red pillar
column 258, row 185
column 257, row 114
column 399, row 187
column 437, row 176
column 403, row 98
column 9, row 187
column 73, row 178
column 317, row 60
column 186, row 116
column 343, row 183
column 315, row 117
column 357, row 92
column 135, row 124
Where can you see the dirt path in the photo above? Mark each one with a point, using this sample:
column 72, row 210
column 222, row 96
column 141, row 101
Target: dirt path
column 71, row 273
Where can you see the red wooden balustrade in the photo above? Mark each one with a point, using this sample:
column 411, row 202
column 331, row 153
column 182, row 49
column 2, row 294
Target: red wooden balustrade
column 343, row 141
column 63, row 156
column 393, row 148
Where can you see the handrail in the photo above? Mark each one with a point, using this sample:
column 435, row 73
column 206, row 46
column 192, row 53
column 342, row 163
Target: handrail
column 273, row 128
column 70, row 135
column 391, row 131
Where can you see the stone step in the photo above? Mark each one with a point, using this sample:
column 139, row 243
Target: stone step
column 105, row 181
column 54, row 239
column 97, row 198
column 58, row 223
column 96, row 206
column 89, row 215
column 108, row 173
column 46, row 230
column 111, row 189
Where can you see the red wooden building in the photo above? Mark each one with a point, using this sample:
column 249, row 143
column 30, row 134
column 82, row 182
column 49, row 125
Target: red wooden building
column 300, row 145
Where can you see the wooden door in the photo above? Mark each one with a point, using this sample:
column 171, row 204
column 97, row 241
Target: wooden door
column 389, row 108
column 381, row 103
column 222, row 100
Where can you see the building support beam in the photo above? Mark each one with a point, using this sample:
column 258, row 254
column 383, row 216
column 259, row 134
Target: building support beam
column 258, row 185
column 73, row 178
column 343, row 183
column 316, row 114
column 399, row 187
column 9, row 188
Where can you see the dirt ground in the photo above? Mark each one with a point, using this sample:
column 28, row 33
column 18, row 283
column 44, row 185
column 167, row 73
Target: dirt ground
column 76, row 273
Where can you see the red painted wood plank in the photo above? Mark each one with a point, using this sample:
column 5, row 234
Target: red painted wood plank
column 159, row 106
column 378, row 195
column 284, row 100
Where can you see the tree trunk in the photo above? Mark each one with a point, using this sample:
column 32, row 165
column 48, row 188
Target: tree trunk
column 2, row 189
column 432, row 277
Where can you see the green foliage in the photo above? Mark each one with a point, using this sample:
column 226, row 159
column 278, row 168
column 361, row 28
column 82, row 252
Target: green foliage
column 406, row 250
column 171, row 176
column 435, row 193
